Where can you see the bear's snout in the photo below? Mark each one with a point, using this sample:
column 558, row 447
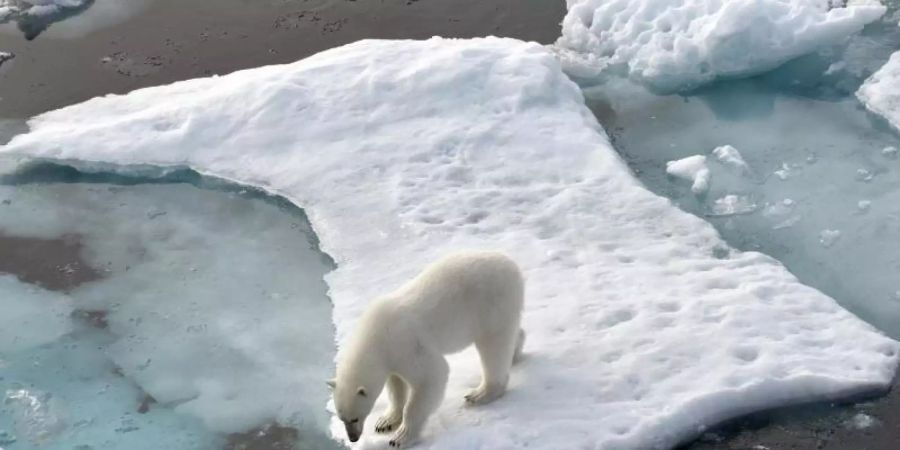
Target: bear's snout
column 353, row 431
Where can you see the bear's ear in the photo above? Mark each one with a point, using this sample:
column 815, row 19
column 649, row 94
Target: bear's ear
column 331, row 383
column 361, row 392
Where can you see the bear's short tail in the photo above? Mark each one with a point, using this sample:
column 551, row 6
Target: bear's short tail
column 520, row 344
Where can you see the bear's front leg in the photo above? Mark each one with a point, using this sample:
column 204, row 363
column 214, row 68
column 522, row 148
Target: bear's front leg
column 394, row 415
column 426, row 391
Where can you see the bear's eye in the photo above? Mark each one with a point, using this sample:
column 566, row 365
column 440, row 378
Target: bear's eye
column 354, row 421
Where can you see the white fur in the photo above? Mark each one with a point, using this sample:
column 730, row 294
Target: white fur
column 472, row 297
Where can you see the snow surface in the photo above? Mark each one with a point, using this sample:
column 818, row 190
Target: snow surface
column 881, row 93
column 401, row 151
column 693, row 169
column 680, row 45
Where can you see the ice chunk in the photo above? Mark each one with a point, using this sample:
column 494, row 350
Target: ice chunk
column 861, row 421
column 731, row 157
column 693, row 169
column 732, row 204
column 881, row 92
column 863, row 205
column 828, row 237
column 37, row 415
column 404, row 150
column 680, row 45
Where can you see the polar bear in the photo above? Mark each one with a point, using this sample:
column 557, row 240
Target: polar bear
column 469, row 297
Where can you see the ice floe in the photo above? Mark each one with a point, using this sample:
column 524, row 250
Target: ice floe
column 644, row 327
column 681, row 45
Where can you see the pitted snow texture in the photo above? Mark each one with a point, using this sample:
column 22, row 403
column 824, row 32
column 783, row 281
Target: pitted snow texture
column 681, row 44
column 643, row 327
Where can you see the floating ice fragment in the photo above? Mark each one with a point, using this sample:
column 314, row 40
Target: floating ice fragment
column 731, row 204
column 890, row 152
column 731, row 157
column 835, row 68
column 828, row 237
column 864, row 205
column 864, row 175
column 861, row 421
column 693, row 169
column 784, row 172
column 779, row 209
column 36, row 414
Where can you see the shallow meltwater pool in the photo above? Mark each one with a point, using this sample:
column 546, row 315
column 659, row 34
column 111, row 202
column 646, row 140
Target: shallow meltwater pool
column 177, row 312
column 816, row 181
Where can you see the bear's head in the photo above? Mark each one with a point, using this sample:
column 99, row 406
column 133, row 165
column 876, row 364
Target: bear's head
column 353, row 400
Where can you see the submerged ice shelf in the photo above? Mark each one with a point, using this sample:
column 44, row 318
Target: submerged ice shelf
column 401, row 151
column 207, row 295
column 821, row 187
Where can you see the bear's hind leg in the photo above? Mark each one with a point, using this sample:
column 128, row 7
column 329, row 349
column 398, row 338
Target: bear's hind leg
column 496, row 351
column 520, row 346
column 394, row 415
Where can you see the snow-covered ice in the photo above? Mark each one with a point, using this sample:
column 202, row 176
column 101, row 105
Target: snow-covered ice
column 401, row 151
column 694, row 169
column 881, row 93
column 681, row 45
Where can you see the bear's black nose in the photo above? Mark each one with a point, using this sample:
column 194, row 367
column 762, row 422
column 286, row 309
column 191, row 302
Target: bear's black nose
column 352, row 432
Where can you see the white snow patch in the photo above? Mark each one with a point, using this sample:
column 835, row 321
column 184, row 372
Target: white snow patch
column 680, row 45
column 401, row 151
column 881, row 92
column 693, row 169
